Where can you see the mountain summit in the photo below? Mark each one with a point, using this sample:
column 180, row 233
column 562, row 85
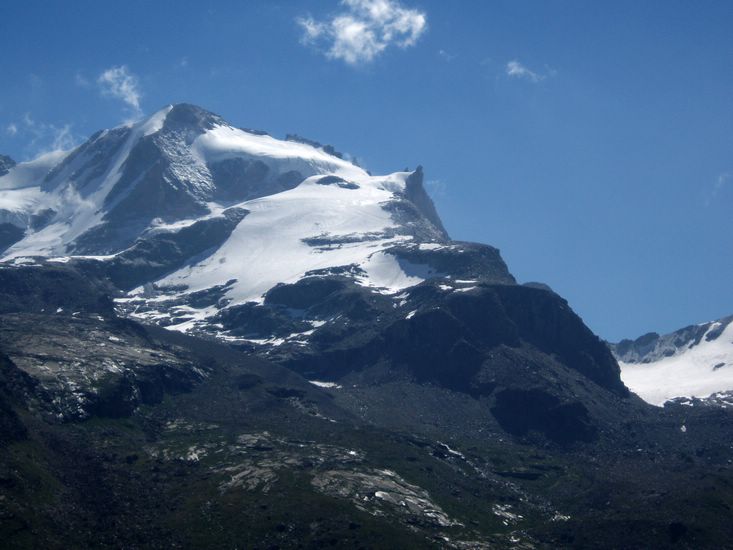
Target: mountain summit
column 183, row 202
column 182, row 163
column 287, row 350
column 285, row 248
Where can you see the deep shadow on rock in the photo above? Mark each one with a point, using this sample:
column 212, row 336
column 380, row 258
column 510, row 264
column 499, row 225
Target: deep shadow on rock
column 522, row 411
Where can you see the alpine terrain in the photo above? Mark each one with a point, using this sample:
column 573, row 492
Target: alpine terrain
column 692, row 365
column 210, row 337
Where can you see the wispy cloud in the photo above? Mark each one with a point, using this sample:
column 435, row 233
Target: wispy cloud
column 721, row 182
column 364, row 29
column 81, row 80
column 514, row 69
column 42, row 137
column 517, row 70
column 446, row 56
column 719, row 185
column 120, row 83
column 49, row 137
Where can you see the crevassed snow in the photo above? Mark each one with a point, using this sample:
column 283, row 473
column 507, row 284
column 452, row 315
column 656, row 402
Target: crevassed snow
column 269, row 245
column 691, row 373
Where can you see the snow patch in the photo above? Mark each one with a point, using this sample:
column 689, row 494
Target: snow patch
column 222, row 142
column 31, row 173
column 321, row 384
column 690, row 373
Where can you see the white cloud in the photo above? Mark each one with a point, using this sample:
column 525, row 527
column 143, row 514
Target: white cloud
column 81, row 80
column 62, row 138
column 515, row 69
column 42, row 137
column 723, row 180
column 120, row 83
column 446, row 56
column 364, row 29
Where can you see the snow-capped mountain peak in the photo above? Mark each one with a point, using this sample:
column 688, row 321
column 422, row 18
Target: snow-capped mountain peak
column 183, row 204
column 168, row 166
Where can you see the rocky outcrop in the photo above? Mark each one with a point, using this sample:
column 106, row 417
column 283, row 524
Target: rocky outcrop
column 161, row 252
column 415, row 193
column 652, row 347
column 45, row 287
column 9, row 235
column 6, row 163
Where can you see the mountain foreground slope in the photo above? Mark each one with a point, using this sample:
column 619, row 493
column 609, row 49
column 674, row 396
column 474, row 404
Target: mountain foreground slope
column 210, row 337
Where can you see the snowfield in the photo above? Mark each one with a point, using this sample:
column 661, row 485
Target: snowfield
column 338, row 216
column 30, row 174
column 270, row 245
column 695, row 371
column 224, row 142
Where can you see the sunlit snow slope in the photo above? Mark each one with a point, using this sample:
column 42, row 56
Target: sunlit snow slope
column 183, row 203
column 693, row 362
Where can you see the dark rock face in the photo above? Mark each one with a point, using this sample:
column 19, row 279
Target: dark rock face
column 9, row 235
column 251, row 320
column 652, row 347
column 240, row 179
column 159, row 253
column 48, row 287
column 415, row 192
column 335, row 180
column 184, row 116
column 306, row 293
column 6, row 163
column 42, row 218
column 461, row 260
column 326, row 148
column 546, row 321
column 88, row 162
column 84, row 365
column 464, row 425
column 450, row 339
column 521, row 411
column 523, row 348
column 14, row 388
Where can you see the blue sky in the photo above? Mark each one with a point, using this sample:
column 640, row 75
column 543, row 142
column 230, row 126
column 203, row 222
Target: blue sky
column 592, row 142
